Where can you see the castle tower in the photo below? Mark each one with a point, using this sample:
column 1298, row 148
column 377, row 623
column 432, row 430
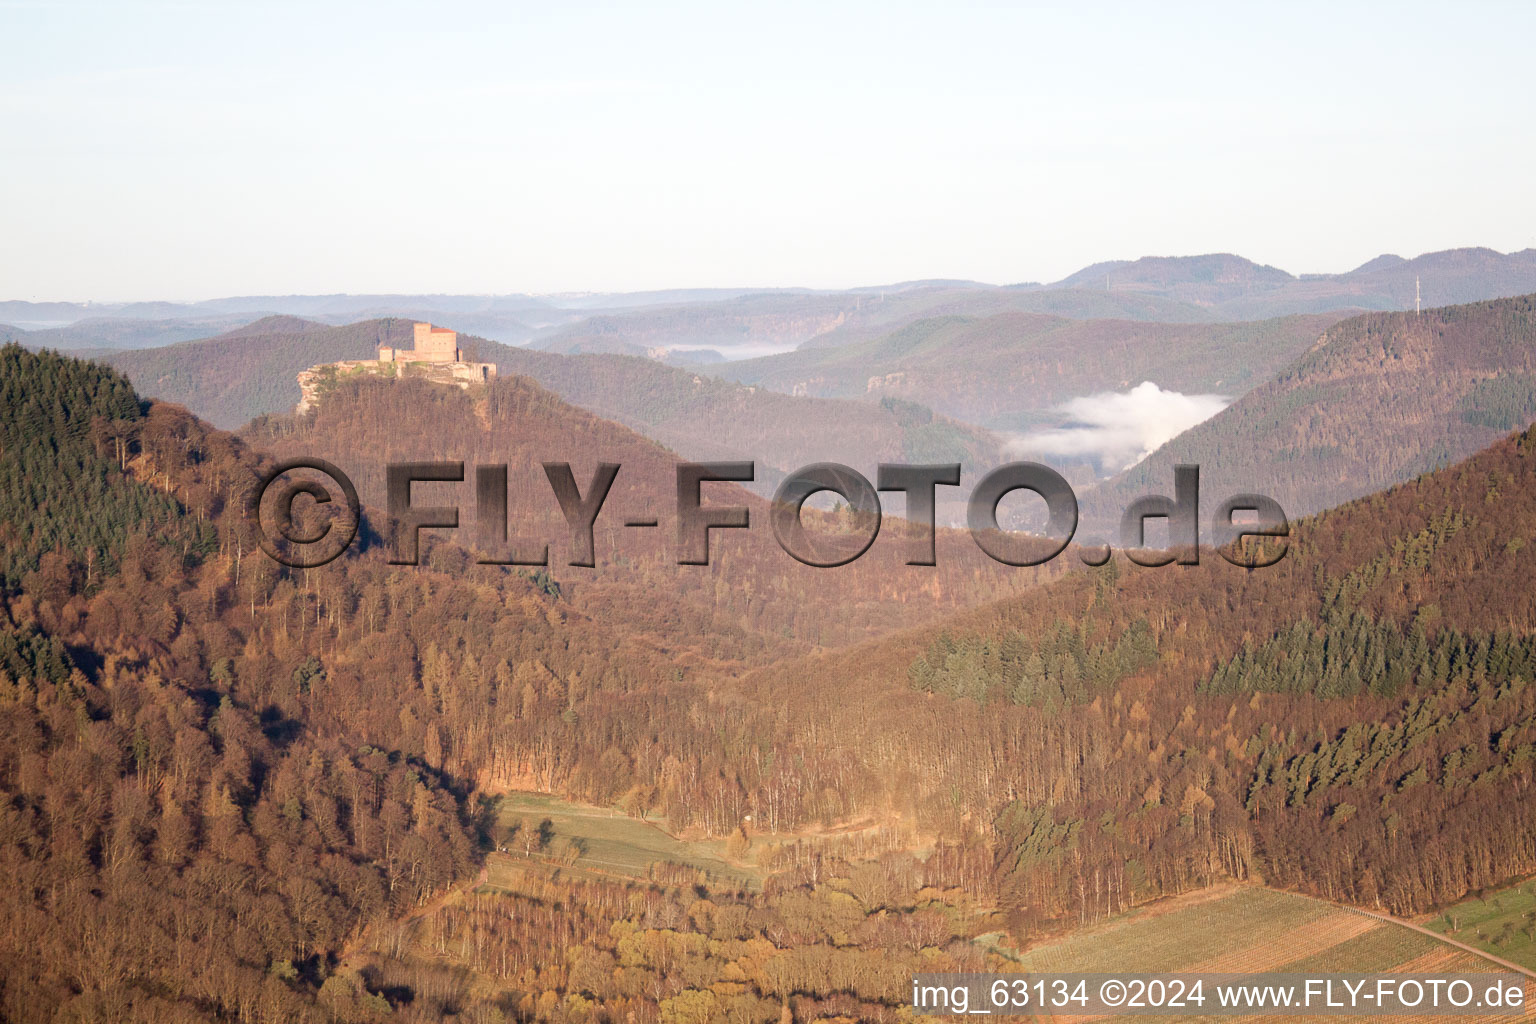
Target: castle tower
column 436, row 345
column 433, row 345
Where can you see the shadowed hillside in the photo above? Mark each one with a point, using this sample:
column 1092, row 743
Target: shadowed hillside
column 1320, row 724
column 705, row 417
column 1381, row 398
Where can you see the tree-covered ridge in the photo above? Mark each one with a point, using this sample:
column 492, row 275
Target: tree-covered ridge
column 177, row 848
column 217, row 773
column 1383, row 397
column 351, row 714
column 173, row 854
column 67, row 432
column 1410, row 599
column 234, row 377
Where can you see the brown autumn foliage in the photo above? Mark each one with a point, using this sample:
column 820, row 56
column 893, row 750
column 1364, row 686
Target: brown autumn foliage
column 218, row 773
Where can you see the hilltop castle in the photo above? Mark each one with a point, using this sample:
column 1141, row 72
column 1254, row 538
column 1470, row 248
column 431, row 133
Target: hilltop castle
column 436, row 357
column 433, row 345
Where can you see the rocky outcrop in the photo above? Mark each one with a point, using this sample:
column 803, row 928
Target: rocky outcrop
column 315, row 381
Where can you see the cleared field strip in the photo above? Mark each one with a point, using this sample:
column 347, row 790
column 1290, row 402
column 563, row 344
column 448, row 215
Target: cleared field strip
column 1310, row 939
column 1167, row 937
column 1251, row 930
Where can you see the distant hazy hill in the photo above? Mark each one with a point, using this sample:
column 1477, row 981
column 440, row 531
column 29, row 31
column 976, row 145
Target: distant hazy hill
column 80, row 327
column 744, row 322
column 1382, row 398
column 1077, row 304
column 1186, row 289
column 1449, row 277
column 31, row 314
column 233, row 377
column 507, row 328
column 1233, row 288
column 755, row 325
column 129, row 332
column 707, row 418
column 1010, row 370
column 707, row 329
column 1204, row 279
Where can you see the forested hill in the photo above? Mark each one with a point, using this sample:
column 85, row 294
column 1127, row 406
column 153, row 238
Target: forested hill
column 1358, row 721
column 234, row 377
column 181, row 840
column 1381, row 398
column 1013, row 370
column 705, row 417
column 752, row 587
column 68, row 504
column 217, row 772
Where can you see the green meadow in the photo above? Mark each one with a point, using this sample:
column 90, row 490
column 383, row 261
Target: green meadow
column 601, row 841
column 1502, row 922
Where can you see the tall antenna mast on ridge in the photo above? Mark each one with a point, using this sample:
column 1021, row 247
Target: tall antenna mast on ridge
column 1415, row 295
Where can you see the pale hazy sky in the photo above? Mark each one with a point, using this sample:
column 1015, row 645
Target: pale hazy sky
column 163, row 150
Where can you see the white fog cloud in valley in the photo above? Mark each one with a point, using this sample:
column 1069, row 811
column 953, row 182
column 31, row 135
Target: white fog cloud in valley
column 1119, row 429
